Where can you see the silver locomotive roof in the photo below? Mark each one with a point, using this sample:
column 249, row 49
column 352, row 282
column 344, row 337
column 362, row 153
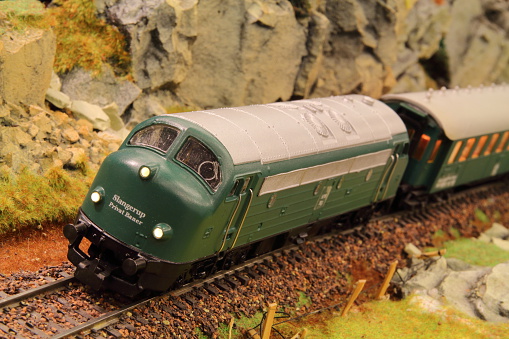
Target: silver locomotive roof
column 463, row 113
column 287, row 130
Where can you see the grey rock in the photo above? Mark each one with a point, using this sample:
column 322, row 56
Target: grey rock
column 148, row 106
column 456, row 287
column 478, row 50
column 497, row 231
column 431, row 274
column 160, row 33
column 481, row 292
column 58, row 98
column 502, row 244
column 361, row 48
column 412, row 250
column 484, row 238
column 318, row 33
column 100, row 90
column 116, row 122
column 491, row 298
column 459, row 265
column 92, row 113
column 55, row 82
column 14, row 135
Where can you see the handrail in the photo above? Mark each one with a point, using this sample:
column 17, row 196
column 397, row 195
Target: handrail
column 243, row 217
column 390, row 176
column 230, row 224
column 383, row 178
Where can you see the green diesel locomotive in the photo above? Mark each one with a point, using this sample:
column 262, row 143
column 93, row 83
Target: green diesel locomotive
column 188, row 194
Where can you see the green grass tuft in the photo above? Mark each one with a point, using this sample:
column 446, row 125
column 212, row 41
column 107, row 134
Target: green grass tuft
column 83, row 39
column 30, row 199
column 475, row 252
column 481, row 216
column 404, row 319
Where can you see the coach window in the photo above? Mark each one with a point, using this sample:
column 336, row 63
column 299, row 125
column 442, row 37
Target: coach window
column 455, row 152
column 157, row 136
column 492, row 143
column 201, row 160
column 434, row 153
column 503, row 142
column 421, row 147
column 479, row 147
column 466, row 150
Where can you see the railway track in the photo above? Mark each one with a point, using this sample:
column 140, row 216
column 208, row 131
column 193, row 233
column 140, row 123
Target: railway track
column 31, row 313
column 65, row 308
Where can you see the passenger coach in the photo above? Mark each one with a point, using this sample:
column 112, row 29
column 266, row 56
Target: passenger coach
column 458, row 136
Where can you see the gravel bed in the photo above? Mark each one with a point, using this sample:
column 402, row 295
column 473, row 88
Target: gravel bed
column 321, row 270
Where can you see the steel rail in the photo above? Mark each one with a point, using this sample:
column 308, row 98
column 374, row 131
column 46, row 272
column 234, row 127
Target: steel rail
column 52, row 286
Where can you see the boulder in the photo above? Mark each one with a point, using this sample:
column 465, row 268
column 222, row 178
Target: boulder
column 27, row 61
column 92, row 113
column 57, row 98
column 491, row 296
column 481, row 292
column 456, row 287
column 497, row 231
column 100, row 90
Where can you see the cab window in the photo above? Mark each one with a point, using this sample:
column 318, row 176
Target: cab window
column 158, row 136
column 201, row 160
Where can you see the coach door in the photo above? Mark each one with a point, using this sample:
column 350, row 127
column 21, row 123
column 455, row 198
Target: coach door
column 242, row 196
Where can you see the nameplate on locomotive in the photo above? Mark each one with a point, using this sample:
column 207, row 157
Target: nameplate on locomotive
column 127, row 210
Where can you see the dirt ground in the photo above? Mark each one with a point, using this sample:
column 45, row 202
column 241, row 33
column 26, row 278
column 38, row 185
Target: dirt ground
column 31, row 250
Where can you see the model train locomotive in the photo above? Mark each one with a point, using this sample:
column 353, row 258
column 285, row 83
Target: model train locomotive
column 191, row 193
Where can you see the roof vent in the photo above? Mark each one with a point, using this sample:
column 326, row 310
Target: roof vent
column 368, row 100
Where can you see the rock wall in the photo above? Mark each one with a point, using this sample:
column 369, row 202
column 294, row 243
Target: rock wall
column 229, row 53
column 217, row 53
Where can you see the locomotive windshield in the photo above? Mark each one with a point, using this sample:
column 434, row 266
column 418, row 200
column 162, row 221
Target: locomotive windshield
column 201, row 160
column 156, row 136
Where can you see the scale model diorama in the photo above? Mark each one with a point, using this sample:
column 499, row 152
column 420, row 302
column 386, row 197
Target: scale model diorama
column 192, row 193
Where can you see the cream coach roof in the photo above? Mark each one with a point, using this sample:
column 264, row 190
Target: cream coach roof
column 463, row 113
column 281, row 131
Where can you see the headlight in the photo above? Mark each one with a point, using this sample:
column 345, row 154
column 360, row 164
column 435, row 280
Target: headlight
column 97, row 194
column 162, row 231
column 145, row 172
